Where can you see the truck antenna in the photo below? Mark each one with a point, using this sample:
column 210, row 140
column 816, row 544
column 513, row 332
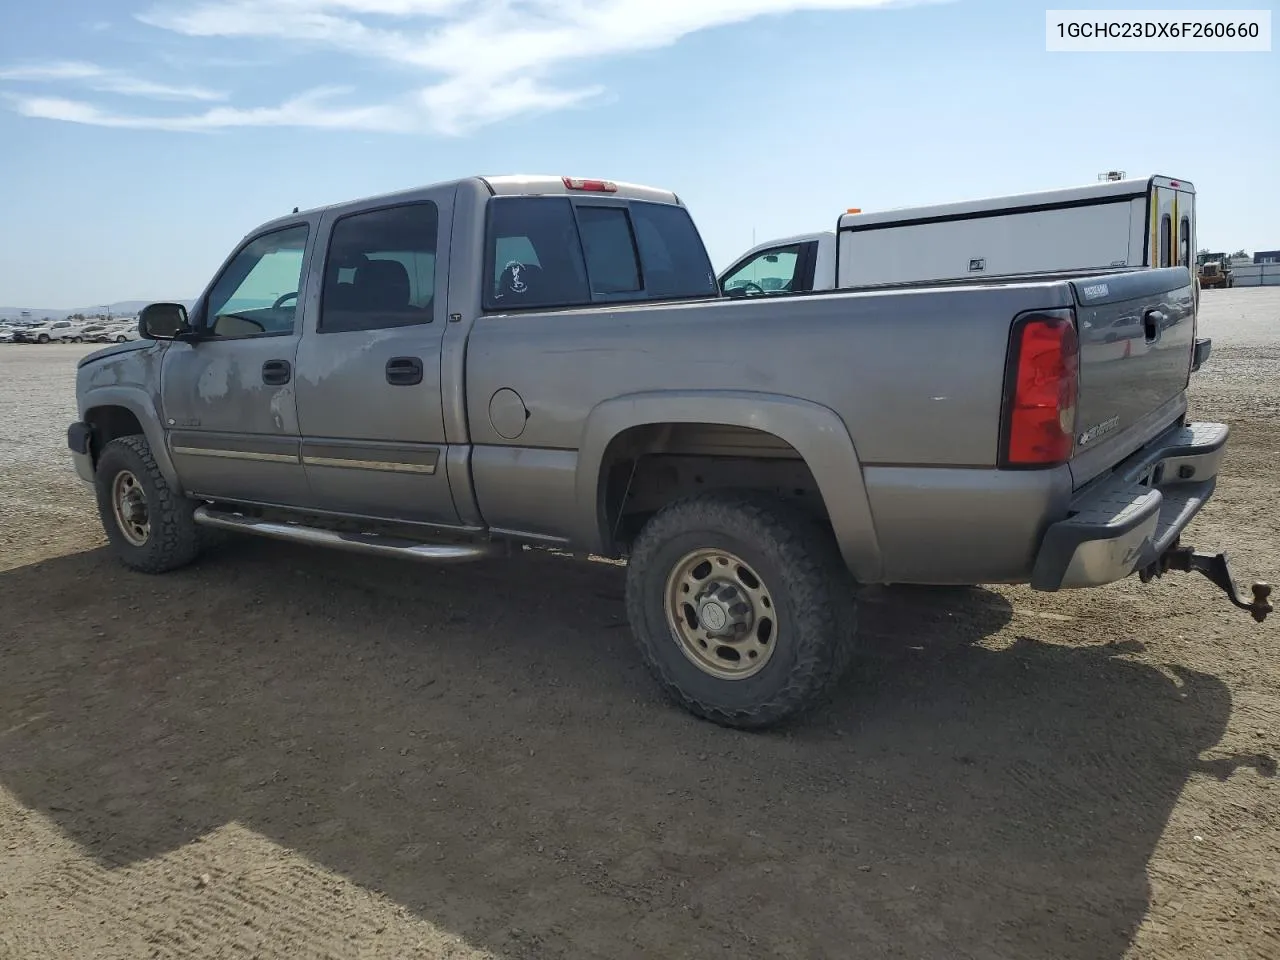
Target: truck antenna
column 295, row 209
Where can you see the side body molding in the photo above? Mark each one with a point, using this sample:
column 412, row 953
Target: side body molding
column 138, row 402
column 815, row 431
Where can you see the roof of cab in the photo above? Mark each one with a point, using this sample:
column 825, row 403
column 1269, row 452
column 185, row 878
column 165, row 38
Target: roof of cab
column 542, row 184
column 507, row 185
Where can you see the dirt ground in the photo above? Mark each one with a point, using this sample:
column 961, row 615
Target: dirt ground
column 289, row 753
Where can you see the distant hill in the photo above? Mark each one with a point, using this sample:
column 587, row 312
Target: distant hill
column 119, row 308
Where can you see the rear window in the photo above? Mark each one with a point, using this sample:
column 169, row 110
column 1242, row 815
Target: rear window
column 551, row 252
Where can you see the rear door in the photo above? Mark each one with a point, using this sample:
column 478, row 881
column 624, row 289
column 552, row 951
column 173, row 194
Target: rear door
column 1136, row 336
column 368, row 386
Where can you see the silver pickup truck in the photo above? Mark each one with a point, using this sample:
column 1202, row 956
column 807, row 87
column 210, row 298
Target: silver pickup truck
column 446, row 373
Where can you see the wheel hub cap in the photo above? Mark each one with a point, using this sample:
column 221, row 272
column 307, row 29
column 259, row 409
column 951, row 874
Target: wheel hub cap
column 129, row 503
column 723, row 610
column 721, row 614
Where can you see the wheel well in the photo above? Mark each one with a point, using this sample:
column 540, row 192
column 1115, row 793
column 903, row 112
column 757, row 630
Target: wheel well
column 646, row 467
column 109, row 423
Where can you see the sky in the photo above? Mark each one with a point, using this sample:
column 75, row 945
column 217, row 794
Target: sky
column 141, row 139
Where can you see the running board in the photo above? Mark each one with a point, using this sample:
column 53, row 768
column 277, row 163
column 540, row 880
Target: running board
column 366, row 543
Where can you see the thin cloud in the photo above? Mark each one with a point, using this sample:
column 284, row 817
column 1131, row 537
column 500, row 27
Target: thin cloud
column 478, row 61
column 306, row 110
column 65, row 70
column 104, row 80
column 135, row 87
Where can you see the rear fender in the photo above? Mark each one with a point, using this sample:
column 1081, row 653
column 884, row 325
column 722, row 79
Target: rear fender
column 816, row 432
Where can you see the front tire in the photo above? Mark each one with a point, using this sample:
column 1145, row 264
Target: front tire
column 149, row 523
column 742, row 608
column 43, row 338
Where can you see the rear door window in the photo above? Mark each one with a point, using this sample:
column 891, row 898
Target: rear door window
column 553, row 252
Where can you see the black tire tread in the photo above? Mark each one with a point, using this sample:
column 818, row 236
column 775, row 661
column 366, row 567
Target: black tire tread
column 176, row 540
column 817, row 582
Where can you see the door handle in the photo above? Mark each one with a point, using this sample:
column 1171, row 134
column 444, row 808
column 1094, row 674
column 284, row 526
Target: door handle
column 404, row 371
column 276, row 372
column 1153, row 324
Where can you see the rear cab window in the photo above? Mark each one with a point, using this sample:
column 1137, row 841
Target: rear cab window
column 548, row 252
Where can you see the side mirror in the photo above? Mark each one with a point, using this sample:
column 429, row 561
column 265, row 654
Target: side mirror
column 163, row 321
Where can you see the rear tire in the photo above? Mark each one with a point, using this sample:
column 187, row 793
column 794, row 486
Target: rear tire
column 149, row 523
column 781, row 632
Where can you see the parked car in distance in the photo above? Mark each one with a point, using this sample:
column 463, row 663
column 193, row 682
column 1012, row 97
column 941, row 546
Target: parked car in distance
column 494, row 363
column 48, row 332
column 118, row 331
column 90, row 332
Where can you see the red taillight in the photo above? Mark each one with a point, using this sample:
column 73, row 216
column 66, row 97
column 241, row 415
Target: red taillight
column 1042, row 385
column 597, row 186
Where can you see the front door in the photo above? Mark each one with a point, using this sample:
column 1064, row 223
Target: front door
column 228, row 398
column 369, row 399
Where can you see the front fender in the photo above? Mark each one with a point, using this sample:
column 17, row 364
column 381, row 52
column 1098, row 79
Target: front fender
column 816, row 432
column 138, row 402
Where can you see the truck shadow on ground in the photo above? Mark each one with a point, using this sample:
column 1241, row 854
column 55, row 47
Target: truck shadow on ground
column 481, row 745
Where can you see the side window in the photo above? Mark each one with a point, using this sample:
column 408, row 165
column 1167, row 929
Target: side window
column 380, row 269
column 610, row 249
column 769, row 272
column 1166, row 225
column 258, row 292
column 534, row 254
column 1184, row 242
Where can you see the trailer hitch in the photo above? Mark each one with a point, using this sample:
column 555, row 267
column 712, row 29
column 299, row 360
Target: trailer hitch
column 1216, row 568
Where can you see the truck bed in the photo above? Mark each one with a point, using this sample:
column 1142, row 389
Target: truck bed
column 916, row 375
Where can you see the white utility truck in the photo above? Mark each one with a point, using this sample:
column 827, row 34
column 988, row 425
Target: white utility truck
column 1120, row 224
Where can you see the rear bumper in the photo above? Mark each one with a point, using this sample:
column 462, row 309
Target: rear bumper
column 1126, row 522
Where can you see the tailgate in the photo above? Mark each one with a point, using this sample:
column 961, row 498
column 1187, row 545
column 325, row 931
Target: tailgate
column 1137, row 333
